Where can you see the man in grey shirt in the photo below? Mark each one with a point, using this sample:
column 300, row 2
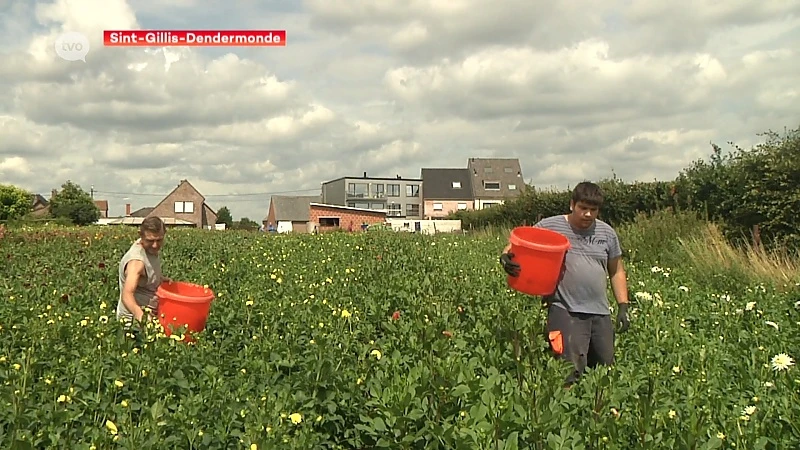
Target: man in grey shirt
column 579, row 325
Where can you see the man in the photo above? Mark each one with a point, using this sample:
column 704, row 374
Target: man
column 140, row 273
column 579, row 325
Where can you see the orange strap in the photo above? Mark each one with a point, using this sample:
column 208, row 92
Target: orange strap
column 556, row 342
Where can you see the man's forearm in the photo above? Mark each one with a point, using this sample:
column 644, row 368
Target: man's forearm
column 619, row 284
column 130, row 304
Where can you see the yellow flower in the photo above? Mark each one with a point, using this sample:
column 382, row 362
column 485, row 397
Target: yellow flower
column 253, row 447
column 118, row 383
column 376, row 354
column 111, row 427
column 295, row 418
column 346, row 313
column 124, row 403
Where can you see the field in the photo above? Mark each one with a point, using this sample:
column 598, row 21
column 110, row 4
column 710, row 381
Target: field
column 387, row 340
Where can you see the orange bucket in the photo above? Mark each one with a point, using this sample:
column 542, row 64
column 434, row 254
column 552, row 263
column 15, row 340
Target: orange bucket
column 540, row 254
column 181, row 303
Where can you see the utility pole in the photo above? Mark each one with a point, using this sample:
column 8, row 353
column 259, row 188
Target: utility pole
column 92, row 192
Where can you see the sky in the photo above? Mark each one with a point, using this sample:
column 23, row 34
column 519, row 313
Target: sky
column 576, row 91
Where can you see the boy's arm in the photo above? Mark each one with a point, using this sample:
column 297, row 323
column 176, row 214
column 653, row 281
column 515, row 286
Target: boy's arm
column 619, row 280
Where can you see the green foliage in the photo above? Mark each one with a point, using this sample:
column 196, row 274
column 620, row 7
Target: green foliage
column 74, row 203
column 224, row 216
column 14, row 202
column 245, row 224
column 739, row 189
column 303, row 324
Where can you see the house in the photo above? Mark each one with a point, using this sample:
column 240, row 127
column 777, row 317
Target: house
column 185, row 206
column 399, row 197
column 305, row 214
column 325, row 217
column 289, row 212
column 495, row 180
column 445, row 191
column 40, row 206
column 102, row 205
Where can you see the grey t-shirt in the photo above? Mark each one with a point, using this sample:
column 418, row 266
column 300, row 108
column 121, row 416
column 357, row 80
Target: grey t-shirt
column 582, row 288
column 145, row 293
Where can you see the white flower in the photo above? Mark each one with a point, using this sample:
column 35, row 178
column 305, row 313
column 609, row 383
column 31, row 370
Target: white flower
column 643, row 296
column 771, row 323
column 782, row 361
column 750, row 306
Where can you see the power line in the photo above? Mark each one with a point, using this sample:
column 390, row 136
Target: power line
column 249, row 194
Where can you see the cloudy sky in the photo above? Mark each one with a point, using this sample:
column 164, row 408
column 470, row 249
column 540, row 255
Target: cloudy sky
column 574, row 90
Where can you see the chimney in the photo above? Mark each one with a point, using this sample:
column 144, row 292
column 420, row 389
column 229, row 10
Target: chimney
column 53, row 193
column 127, row 209
column 365, row 174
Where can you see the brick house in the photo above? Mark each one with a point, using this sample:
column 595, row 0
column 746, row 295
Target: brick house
column 40, row 206
column 185, row 206
column 331, row 217
column 102, row 205
column 445, row 191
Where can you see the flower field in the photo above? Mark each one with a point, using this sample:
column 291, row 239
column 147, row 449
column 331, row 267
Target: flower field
column 375, row 340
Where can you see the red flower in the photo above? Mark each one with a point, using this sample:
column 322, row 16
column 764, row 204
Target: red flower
column 102, row 265
column 447, row 333
column 396, row 315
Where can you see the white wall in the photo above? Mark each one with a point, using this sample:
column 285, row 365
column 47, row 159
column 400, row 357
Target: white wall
column 284, row 226
column 426, row 226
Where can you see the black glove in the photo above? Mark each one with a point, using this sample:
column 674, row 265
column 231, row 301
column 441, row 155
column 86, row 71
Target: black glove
column 511, row 267
column 622, row 318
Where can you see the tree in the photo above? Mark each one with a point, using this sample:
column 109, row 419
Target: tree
column 14, row 202
column 246, row 224
column 74, row 203
column 224, row 216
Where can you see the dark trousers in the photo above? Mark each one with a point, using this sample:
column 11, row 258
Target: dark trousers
column 586, row 340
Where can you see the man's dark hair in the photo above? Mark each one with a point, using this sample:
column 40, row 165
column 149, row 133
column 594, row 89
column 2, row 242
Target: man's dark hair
column 588, row 193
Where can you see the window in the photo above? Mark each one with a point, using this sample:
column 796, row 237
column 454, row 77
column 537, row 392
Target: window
column 329, row 221
column 488, row 170
column 512, row 187
column 378, row 190
column 358, row 189
column 412, row 209
column 184, row 207
column 393, row 210
column 377, row 206
column 358, row 205
column 491, row 185
column 412, row 190
column 456, row 185
column 462, row 206
column 393, row 190
column 508, row 170
column 438, row 207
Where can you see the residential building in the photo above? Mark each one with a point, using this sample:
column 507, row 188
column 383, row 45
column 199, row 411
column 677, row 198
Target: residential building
column 305, row 214
column 326, row 217
column 399, row 197
column 185, row 206
column 445, row 191
column 102, row 205
column 495, row 180
column 289, row 212
column 40, row 206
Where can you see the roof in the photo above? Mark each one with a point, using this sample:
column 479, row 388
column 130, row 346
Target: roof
column 397, row 178
column 139, row 220
column 503, row 170
column 292, row 208
column 438, row 184
column 142, row 212
column 102, row 205
column 348, row 208
column 38, row 198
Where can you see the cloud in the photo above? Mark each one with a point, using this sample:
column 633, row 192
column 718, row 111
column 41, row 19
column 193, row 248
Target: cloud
column 573, row 89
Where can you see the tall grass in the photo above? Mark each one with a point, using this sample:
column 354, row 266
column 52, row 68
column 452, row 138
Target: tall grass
column 710, row 253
